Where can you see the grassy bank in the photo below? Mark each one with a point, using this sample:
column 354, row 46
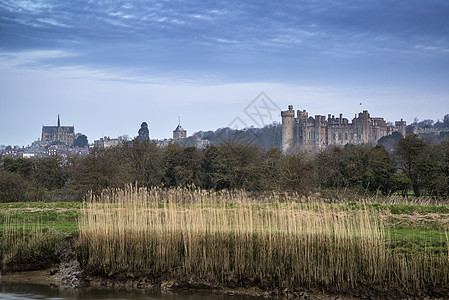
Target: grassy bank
column 31, row 232
column 273, row 241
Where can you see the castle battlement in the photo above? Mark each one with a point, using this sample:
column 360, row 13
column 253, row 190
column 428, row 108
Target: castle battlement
column 308, row 133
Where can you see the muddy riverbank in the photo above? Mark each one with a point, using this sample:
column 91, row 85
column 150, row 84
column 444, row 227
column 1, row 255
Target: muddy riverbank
column 66, row 272
column 68, row 276
column 145, row 286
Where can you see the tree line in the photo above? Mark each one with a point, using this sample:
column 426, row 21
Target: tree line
column 414, row 167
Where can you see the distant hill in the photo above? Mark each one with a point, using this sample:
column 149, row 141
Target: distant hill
column 270, row 136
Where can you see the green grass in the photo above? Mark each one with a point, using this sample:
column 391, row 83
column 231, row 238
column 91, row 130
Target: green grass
column 60, row 216
column 399, row 208
column 48, row 205
column 411, row 240
column 420, row 209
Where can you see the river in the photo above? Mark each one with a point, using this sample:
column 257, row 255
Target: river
column 22, row 291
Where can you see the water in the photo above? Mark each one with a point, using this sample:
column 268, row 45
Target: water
column 22, row 291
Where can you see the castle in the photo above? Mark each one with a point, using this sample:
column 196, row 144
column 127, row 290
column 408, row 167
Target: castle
column 308, row 133
column 61, row 134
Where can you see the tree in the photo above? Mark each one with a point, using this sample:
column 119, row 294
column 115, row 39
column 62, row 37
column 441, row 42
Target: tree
column 389, row 142
column 411, row 157
column 328, row 164
column 446, row 121
column 183, row 166
column 22, row 166
column 146, row 162
column 436, row 180
column 426, row 123
column 144, row 132
column 50, row 172
column 13, row 187
column 124, row 138
column 380, row 171
column 297, row 173
column 102, row 168
column 400, row 182
column 234, row 166
column 357, row 167
column 268, row 137
column 438, row 124
column 81, row 141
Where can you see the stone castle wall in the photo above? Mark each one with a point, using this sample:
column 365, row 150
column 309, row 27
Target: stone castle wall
column 314, row 133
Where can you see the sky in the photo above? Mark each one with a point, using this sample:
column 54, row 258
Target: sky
column 106, row 66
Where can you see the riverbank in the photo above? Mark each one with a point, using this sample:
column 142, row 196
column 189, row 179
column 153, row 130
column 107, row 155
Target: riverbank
column 143, row 286
column 49, row 278
column 68, row 274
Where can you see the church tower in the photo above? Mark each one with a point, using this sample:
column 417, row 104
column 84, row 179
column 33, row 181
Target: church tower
column 179, row 132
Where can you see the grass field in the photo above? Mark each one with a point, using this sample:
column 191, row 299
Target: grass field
column 232, row 236
column 60, row 216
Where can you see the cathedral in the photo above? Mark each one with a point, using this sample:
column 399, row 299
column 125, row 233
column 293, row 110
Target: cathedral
column 59, row 134
column 307, row 133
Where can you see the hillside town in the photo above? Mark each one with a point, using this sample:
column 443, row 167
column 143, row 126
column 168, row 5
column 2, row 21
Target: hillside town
column 62, row 140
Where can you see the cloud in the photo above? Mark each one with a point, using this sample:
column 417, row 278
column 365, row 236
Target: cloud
column 53, row 22
column 31, row 6
column 27, row 59
column 49, row 60
column 325, row 27
column 432, row 48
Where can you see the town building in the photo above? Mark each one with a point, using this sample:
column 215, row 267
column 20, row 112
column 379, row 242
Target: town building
column 106, row 142
column 59, row 134
column 307, row 133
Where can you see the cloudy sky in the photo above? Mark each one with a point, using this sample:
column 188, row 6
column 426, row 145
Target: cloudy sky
column 107, row 66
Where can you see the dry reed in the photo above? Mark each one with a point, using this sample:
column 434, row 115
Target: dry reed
column 229, row 236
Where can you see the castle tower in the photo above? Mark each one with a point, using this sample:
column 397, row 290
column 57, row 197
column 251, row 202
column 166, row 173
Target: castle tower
column 288, row 118
column 400, row 126
column 366, row 127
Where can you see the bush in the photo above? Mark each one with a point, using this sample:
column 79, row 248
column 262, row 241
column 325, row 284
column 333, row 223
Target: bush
column 13, row 188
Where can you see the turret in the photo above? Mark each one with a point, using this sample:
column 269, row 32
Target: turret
column 288, row 118
column 400, row 126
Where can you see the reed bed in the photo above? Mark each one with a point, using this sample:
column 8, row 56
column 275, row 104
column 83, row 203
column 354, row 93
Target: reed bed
column 232, row 237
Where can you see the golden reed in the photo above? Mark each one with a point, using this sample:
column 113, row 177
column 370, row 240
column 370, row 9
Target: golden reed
column 231, row 236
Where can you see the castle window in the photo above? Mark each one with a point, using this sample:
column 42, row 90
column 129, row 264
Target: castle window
column 333, row 136
column 346, row 136
column 339, row 136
